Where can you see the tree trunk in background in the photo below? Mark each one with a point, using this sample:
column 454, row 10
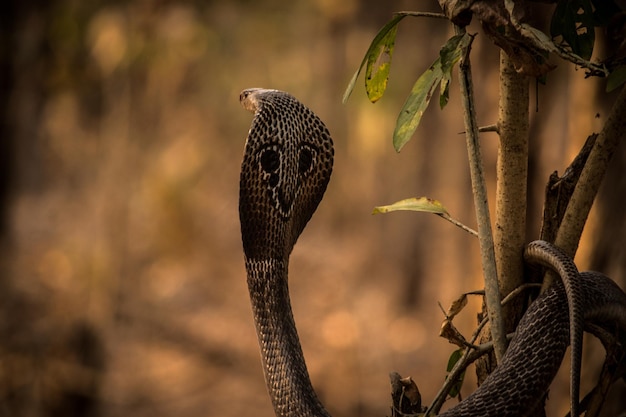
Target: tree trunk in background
column 31, row 353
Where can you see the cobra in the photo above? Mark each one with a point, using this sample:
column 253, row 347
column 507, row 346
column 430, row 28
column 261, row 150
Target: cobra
column 287, row 164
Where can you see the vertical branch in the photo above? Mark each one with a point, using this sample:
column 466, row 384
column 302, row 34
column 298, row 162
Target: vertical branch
column 512, row 174
column 485, row 237
column 580, row 203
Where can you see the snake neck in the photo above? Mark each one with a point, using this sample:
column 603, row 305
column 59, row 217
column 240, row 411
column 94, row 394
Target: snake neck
column 286, row 375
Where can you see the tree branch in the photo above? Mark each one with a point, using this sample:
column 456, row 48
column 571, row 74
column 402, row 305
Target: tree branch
column 512, row 174
column 492, row 292
column 580, row 203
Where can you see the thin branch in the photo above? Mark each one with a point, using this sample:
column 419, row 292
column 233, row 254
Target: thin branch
column 470, row 355
column 421, row 14
column 464, row 361
column 614, row 367
column 489, row 128
column 518, row 290
column 472, row 352
column 504, row 302
column 458, row 223
column 479, row 188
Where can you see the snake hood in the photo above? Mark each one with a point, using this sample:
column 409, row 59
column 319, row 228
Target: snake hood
column 287, row 162
column 288, row 159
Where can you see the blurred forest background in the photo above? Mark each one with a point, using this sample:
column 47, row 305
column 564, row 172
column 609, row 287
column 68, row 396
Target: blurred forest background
column 122, row 286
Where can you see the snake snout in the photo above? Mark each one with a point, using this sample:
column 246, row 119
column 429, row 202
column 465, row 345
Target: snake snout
column 248, row 99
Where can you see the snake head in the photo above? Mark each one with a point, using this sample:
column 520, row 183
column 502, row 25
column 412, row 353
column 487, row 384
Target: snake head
column 287, row 163
column 250, row 98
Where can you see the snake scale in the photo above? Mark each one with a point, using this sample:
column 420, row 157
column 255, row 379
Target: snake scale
column 287, row 163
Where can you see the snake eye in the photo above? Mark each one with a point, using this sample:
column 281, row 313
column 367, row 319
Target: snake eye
column 244, row 95
column 270, row 161
column 305, row 160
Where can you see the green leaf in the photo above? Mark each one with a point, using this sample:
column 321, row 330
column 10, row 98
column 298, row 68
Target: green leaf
column 381, row 41
column 444, row 91
column 415, row 105
column 574, row 20
column 423, row 89
column 615, row 79
column 450, row 55
column 378, row 65
column 454, row 358
column 423, row 204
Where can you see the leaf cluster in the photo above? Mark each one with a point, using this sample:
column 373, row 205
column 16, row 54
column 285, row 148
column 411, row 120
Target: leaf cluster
column 572, row 28
column 574, row 22
column 377, row 63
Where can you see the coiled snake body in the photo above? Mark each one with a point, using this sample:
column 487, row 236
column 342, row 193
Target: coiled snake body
column 286, row 167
